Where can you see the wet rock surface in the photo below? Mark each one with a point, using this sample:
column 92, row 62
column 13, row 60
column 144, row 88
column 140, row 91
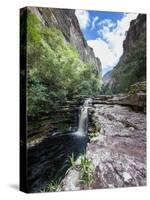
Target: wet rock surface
column 49, row 160
column 118, row 152
column 49, row 150
column 62, row 119
column 116, row 147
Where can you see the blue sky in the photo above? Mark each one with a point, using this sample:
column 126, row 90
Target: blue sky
column 91, row 31
column 105, row 33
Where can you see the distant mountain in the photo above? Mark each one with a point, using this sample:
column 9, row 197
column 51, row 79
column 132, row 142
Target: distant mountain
column 132, row 65
column 107, row 78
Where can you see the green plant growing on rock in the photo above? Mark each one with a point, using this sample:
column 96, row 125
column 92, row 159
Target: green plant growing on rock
column 93, row 135
column 71, row 163
column 72, row 160
column 138, row 87
column 86, row 171
column 51, row 187
column 94, row 130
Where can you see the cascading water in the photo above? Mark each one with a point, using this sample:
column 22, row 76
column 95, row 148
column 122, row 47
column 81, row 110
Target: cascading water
column 54, row 152
column 83, row 120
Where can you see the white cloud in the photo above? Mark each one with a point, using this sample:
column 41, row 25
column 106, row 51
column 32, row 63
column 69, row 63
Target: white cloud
column 83, row 18
column 115, row 37
column 109, row 45
column 95, row 19
column 107, row 23
column 103, row 51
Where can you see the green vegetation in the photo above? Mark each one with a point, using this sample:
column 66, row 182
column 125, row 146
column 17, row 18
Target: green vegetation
column 55, row 71
column 95, row 128
column 132, row 70
column 92, row 135
column 138, row 87
column 85, row 176
column 86, row 171
column 51, row 187
column 72, row 160
column 106, row 90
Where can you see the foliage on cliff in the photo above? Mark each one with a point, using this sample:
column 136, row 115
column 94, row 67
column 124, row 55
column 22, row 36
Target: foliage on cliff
column 55, row 71
column 131, row 68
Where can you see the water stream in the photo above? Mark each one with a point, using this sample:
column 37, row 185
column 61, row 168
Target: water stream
column 83, row 120
column 49, row 159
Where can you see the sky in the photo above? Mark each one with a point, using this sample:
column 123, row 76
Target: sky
column 105, row 33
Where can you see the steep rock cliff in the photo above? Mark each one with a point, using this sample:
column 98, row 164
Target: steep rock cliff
column 107, row 78
column 137, row 31
column 132, row 65
column 66, row 21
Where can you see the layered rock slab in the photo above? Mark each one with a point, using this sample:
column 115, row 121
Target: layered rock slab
column 118, row 153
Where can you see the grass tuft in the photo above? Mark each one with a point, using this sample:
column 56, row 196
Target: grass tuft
column 86, row 171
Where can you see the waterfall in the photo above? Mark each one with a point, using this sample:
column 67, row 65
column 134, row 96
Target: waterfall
column 60, row 146
column 83, row 120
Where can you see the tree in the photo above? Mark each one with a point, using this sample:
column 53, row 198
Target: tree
column 55, row 70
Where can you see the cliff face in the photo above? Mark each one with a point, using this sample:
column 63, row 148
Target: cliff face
column 136, row 32
column 66, row 21
column 107, row 78
column 132, row 65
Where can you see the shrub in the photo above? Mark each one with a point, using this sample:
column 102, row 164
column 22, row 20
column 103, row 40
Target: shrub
column 55, row 70
column 86, row 171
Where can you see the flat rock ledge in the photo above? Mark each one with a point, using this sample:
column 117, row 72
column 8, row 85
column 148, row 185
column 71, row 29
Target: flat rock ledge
column 118, row 152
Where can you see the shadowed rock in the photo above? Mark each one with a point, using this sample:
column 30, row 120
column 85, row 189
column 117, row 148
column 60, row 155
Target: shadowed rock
column 49, row 160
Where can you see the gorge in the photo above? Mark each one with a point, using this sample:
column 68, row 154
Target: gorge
column 82, row 134
column 131, row 67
